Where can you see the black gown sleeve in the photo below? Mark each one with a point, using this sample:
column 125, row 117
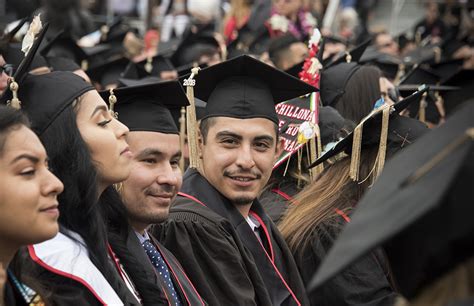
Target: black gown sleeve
column 363, row 283
column 214, row 259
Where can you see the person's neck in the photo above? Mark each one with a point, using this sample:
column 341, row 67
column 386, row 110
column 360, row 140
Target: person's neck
column 244, row 209
column 138, row 227
column 7, row 251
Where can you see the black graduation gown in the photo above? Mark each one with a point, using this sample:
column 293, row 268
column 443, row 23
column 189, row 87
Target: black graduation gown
column 184, row 287
column 221, row 253
column 363, row 283
column 12, row 296
column 276, row 199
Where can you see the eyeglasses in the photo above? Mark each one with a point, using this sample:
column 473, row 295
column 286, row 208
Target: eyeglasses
column 8, row 69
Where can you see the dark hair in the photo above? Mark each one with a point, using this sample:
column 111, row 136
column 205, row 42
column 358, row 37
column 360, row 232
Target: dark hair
column 361, row 92
column 279, row 48
column 10, row 118
column 70, row 161
column 118, row 229
column 206, row 123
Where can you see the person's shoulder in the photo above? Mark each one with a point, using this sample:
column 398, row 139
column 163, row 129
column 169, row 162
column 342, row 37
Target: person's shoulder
column 186, row 209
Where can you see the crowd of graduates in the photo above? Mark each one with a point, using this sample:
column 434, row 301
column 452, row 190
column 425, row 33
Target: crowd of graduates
column 243, row 152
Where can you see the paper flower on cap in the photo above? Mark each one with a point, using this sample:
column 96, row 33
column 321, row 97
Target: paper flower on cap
column 33, row 30
column 279, row 23
column 306, row 131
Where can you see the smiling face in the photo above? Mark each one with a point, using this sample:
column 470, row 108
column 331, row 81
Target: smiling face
column 155, row 178
column 28, row 191
column 238, row 156
column 105, row 138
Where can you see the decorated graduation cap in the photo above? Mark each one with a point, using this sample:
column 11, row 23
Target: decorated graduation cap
column 245, row 87
column 108, row 73
column 42, row 97
column 376, row 128
column 149, row 106
column 422, row 202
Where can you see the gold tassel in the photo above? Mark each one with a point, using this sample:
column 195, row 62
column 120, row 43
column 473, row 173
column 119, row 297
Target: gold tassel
column 437, row 54
column 84, row 64
column 422, row 109
column 194, row 161
column 380, row 162
column 104, row 31
column 399, row 75
column 299, row 168
column 287, row 164
column 348, row 57
column 112, row 101
column 182, row 136
column 14, row 102
column 316, row 148
column 355, row 156
column 149, row 64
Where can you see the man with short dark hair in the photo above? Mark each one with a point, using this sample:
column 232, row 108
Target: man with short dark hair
column 217, row 227
column 286, row 51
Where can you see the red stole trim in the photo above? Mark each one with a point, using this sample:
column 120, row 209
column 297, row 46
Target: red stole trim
column 343, row 215
column 282, row 194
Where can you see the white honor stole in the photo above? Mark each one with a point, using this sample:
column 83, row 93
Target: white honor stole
column 64, row 256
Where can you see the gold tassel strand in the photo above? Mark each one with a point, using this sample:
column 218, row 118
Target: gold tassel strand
column 383, row 142
column 194, row 161
column 422, row 109
column 14, row 102
column 182, row 136
column 316, row 148
column 355, row 156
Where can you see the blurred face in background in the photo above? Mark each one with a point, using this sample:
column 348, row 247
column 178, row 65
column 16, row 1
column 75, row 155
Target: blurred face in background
column 287, row 8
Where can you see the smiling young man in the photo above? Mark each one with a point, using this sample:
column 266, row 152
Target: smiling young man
column 154, row 181
column 217, row 228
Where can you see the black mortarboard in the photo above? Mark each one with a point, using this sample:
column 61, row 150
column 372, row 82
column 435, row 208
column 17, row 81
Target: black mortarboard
column 420, row 210
column 371, row 130
column 333, row 39
column 192, row 47
column 385, row 62
column 149, row 67
column 244, row 87
column 249, row 41
column 109, row 72
column 44, row 97
column 447, row 68
column 149, row 107
column 62, row 64
column 463, row 79
column 425, row 54
column 15, row 56
column 332, row 125
column 62, row 45
column 352, row 56
column 295, row 70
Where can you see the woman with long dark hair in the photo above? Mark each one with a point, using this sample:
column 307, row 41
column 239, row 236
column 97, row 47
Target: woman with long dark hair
column 28, row 199
column 320, row 211
column 87, row 150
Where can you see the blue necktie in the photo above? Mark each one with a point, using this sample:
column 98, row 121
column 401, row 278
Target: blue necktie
column 162, row 269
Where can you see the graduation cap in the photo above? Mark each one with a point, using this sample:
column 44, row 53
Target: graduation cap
column 426, row 54
column 420, row 210
column 108, row 73
column 447, row 68
column 389, row 64
column 43, row 97
column 192, row 47
column 352, row 56
column 334, row 39
column 62, row 64
column 62, row 45
column 14, row 56
column 245, row 87
column 149, row 106
column 370, row 132
column 463, row 79
column 249, row 41
column 152, row 66
column 332, row 125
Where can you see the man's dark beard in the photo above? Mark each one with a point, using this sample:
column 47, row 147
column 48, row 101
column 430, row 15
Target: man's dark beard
column 241, row 201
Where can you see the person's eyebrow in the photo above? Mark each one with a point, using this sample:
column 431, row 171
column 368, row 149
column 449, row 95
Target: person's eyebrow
column 147, row 152
column 99, row 108
column 228, row 134
column 265, row 138
column 31, row 158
